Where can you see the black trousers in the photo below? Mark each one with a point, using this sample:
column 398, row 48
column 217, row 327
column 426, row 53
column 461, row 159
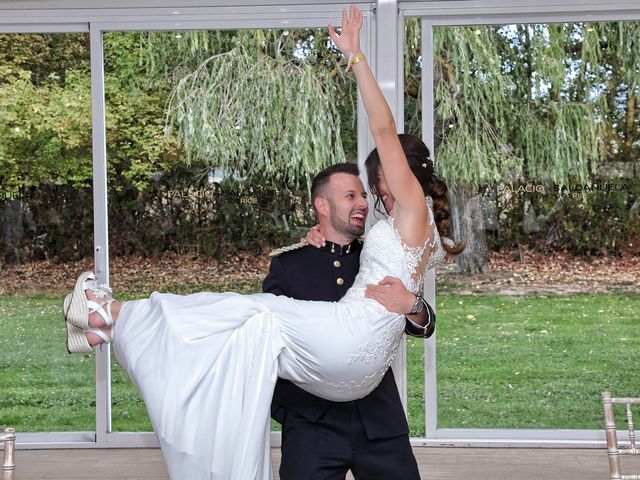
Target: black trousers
column 336, row 443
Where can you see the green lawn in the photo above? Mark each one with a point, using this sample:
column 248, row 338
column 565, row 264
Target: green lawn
column 503, row 362
column 42, row 387
column 529, row 362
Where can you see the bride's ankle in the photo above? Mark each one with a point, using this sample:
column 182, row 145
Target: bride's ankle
column 95, row 339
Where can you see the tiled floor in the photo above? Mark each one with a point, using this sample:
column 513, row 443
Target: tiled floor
column 435, row 464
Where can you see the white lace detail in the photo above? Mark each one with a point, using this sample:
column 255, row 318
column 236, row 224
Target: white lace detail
column 382, row 346
column 384, row 253
column 364, row 386
column 414, row 257
column 385, row 348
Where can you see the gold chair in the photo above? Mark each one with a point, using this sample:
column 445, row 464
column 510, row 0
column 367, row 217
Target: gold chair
column 613, row 449
column 9, row 465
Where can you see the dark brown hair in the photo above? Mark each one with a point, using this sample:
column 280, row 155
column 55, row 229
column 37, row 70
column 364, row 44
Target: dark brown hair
column 321, row 180
column 421, row 165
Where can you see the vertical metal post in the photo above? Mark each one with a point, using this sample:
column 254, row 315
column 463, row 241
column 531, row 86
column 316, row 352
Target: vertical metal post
column 100, row 225
column 388, row 72
column 389, row 77
column 365, row 142
column 430, row 377
column 399, row 110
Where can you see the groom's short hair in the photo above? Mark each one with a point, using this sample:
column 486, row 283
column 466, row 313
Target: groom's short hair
column 321, row 180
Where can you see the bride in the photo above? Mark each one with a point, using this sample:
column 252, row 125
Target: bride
column 206, row 364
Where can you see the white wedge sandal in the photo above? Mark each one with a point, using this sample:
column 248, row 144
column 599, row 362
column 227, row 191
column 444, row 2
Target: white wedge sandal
column 77, row 307
column 77, row 341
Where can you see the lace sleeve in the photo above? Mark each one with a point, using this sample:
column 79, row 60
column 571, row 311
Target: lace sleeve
column 423, row 258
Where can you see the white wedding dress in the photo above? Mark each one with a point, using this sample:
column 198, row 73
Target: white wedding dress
column 206, row 364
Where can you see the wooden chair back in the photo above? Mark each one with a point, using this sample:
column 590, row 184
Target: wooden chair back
column 9, row 464
column 613, row 449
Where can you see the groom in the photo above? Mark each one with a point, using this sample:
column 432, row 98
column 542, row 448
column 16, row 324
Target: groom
column 323, row 439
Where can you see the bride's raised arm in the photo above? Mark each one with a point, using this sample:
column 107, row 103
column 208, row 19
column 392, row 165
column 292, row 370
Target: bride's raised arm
column 409, row 210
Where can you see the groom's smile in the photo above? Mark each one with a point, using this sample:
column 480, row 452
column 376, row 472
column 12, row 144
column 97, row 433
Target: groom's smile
column 358, row 217
column 347, row 205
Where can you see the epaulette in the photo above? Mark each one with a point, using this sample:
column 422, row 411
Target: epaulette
column 278, row 251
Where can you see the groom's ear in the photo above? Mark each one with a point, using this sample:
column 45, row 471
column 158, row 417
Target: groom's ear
column 322, row 206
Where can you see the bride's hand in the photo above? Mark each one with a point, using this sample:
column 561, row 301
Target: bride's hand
column 314, row 237
column 391, row 294
column 349, row 39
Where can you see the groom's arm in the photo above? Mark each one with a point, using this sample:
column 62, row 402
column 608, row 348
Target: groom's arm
column 424, row 323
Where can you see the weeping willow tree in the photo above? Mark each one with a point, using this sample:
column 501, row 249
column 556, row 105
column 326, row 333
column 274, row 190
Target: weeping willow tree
column 518, row 103
column 257, row 117
column 532, row 103
column 616, row 48
column 265, row 110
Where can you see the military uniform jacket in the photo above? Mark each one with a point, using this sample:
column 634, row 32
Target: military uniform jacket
column 310, row 273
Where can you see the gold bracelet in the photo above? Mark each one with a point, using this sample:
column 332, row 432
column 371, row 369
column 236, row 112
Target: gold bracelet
column 358, row 58
column 353, row 60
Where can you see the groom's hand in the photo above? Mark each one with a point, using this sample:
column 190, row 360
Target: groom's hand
column 392, row 295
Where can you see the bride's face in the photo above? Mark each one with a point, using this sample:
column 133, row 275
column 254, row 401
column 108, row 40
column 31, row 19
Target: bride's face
column 383, row 191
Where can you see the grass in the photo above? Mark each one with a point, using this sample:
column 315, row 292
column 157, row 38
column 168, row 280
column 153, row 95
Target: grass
column 42, row 388
column 503, row 362
column 529, row 362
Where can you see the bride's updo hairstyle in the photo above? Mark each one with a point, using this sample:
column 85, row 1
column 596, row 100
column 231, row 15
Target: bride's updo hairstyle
column 421, row 165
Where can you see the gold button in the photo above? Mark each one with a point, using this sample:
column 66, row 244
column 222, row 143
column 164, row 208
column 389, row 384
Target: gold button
column 339, row 281
column 336, row 263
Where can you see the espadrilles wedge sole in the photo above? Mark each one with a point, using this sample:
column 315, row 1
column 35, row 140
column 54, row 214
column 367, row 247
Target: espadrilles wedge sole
column 77, row 308
column 76, row 338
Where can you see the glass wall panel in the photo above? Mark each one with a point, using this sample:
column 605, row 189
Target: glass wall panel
column 46, row 229
column 213, row 138
column 412, row 53
column 537, row 135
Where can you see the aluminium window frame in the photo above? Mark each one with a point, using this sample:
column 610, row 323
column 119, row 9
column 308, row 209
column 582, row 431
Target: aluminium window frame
column 383, row 48
column 496, row 12
column 96, row 22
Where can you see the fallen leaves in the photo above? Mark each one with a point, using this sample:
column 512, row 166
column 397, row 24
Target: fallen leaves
column 545, row 274
column 538, row 273
column 136, row 275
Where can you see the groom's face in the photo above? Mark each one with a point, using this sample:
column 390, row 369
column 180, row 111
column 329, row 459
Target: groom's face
column 348, row 205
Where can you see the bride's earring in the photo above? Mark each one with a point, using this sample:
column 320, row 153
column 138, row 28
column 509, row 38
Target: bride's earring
column 333, row 248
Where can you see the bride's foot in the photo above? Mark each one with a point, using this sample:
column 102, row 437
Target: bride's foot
column 90, row 304
column 89, row 313
column 98, row 336
column 82, row 341
column 102, row 313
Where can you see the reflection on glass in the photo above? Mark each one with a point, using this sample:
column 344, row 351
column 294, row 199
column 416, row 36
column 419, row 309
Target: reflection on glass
column 413, row 125
column 536, row 134
column 46, row 229
column 212, row 140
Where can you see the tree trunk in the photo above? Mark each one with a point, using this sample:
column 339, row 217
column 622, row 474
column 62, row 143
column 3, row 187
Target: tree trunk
column 17, row 231
column 468, row 225
column 630, row 121
column 633, row 242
